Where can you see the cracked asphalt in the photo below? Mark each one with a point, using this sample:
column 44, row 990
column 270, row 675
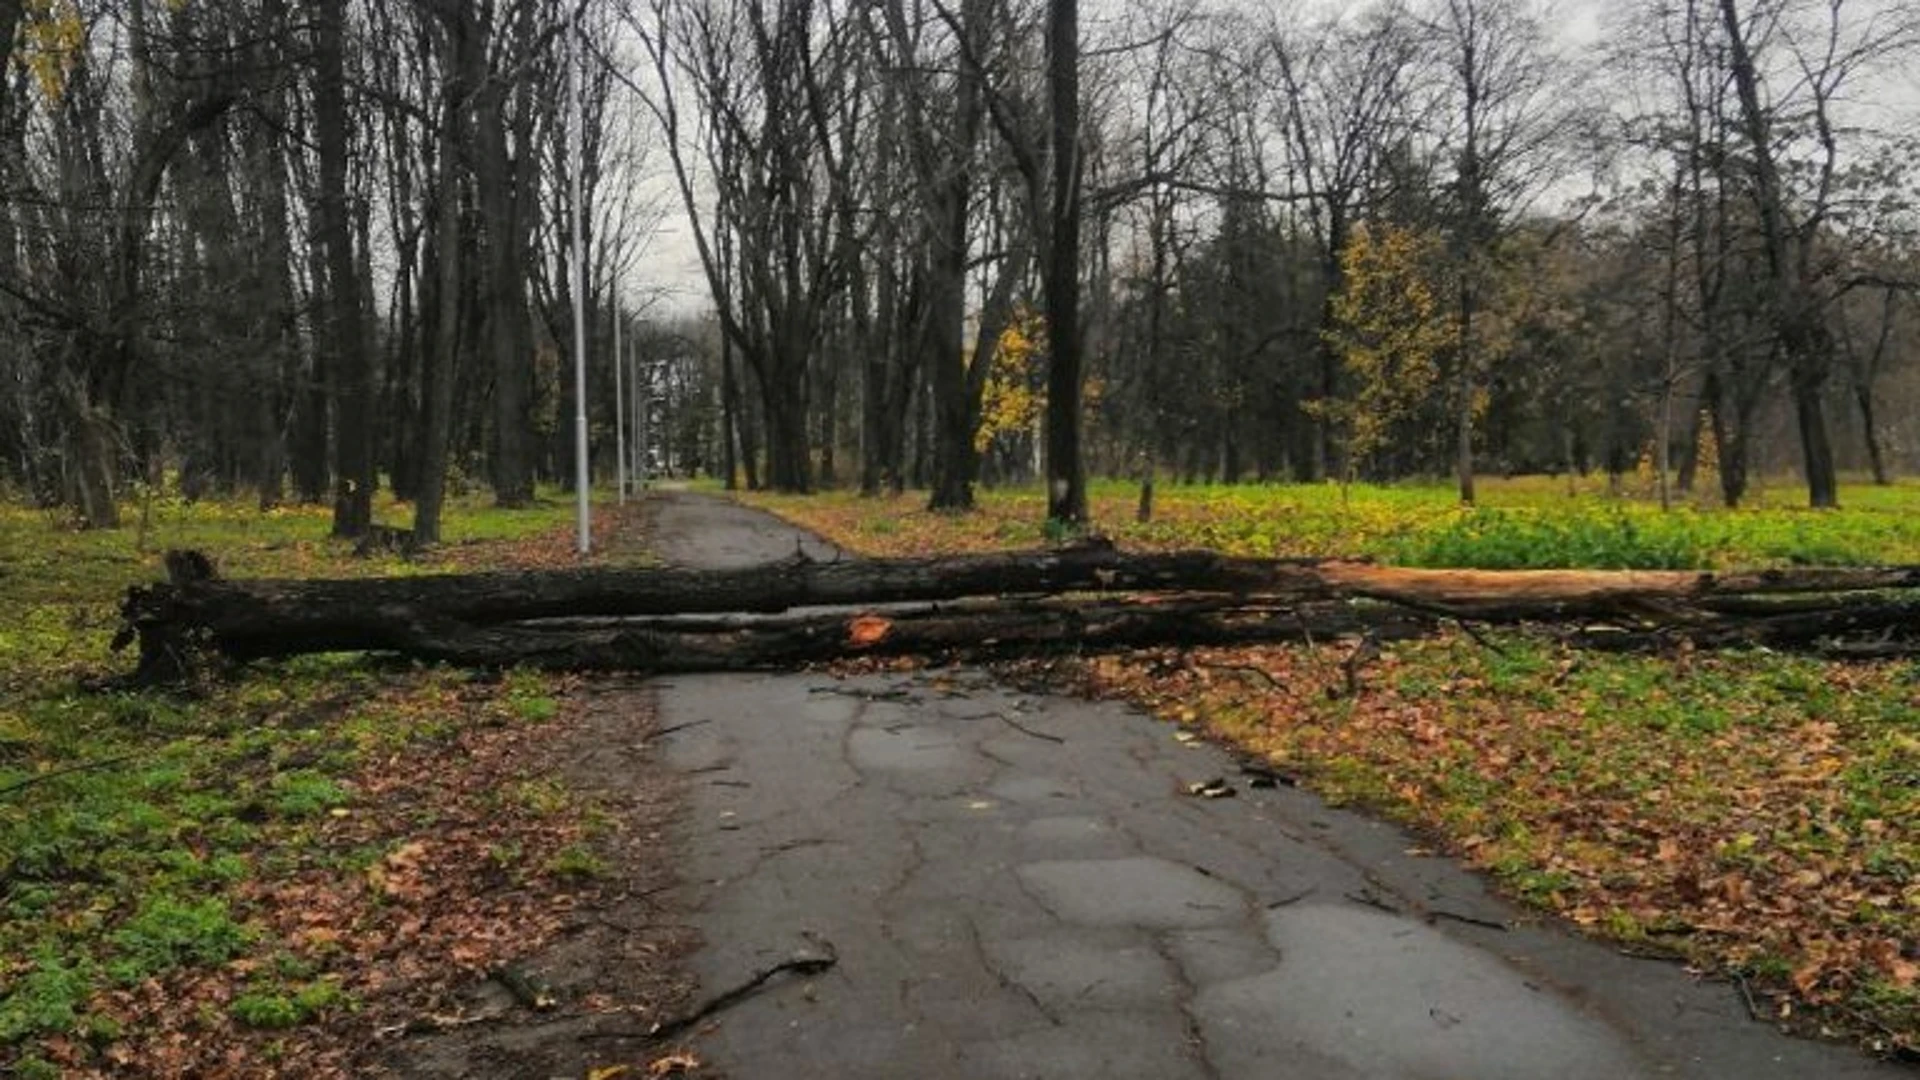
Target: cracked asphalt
column 1019, row 886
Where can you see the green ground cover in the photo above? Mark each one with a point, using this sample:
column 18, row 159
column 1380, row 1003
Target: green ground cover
column 1531, row 522
column 154, row 845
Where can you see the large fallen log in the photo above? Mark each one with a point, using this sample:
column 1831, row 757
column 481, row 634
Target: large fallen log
column 966, row 630
column 275, row 617
column 496, row 619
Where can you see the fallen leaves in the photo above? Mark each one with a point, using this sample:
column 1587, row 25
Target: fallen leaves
column 456, row 891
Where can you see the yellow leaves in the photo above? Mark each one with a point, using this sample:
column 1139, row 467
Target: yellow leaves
column 1390, row 331
column 54, row 40
column 676, row 1064
column 1013, row 399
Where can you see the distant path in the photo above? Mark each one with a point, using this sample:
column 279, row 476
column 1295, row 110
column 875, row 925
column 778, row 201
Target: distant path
column 1018, row 886
column 716, row 533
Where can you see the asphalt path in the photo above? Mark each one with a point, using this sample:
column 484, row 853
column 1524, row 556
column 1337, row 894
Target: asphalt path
column 1012, row 885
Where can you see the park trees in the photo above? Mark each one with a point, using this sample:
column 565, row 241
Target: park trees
column 222, row 241
column 325, row 248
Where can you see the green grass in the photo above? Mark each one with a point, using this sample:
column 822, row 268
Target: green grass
column 131, row 823
column 1523, row 523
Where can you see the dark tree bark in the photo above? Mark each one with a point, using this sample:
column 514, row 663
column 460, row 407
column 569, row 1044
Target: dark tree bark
column 505, row 183
column 349, row 366
column 1793, row 307
column 1066, row 470
column 441, row 363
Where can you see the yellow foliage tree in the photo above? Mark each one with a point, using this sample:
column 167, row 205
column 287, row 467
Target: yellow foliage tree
column 1015, row 396
column 53, row 39
column 1391, row 332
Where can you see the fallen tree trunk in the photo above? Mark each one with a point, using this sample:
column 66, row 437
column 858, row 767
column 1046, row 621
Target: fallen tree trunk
column 972, row 631
column 275, row 617
column 501, row 619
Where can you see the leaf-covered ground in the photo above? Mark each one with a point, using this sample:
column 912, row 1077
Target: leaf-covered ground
column 1755, row 814
column 295, row 868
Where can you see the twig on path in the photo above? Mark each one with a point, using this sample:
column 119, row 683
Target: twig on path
column 1746, row 995
column 1289, row 901
column 667, row 1029
column 895, row 693
column 1373, row 900
column 1025, row 730
column 671, row 728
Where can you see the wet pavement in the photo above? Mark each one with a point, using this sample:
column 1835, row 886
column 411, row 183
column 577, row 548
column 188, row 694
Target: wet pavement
column 1021, row 886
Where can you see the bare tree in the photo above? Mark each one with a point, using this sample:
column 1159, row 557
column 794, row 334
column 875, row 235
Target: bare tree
column 1504, row 92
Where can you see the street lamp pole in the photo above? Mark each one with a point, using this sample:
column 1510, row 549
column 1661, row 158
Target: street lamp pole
column 619, row 409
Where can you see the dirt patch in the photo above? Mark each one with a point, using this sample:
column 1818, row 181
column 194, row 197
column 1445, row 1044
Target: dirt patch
column 583, row 1006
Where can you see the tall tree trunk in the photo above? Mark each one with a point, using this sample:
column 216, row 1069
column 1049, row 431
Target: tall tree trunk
column 949, row 185
column 1823, row 489
column 1791, row 305
column 440, row 363
column 1686, row 471
column 731, row 422
column 880, row 368
column 1870, row 431
column 267, row 169
column 1464, row 390
column 1730, row 423
column 828, row 410
column 503, row 188
column 1066, row 472
column 783, row 391
column 349, row 366
column 954, row 460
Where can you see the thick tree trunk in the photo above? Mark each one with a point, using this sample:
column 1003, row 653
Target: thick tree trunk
column 953, row 453
column 1823, row 488
column 1729, row 427
column 349, row 365
column 784, row 393
column 1180, row 598
column 1687, row 468
column 1066, row 472
column 1876, row 459
column 441, row 361
column 948, row 180
column 503, row 190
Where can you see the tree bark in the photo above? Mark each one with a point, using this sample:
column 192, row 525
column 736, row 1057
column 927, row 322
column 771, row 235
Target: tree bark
column 1876, row 459
column 441, row 361
column 504, row 187
column 350, row 366
column 1793, row 308
column 1066, row 472
column 538, row 617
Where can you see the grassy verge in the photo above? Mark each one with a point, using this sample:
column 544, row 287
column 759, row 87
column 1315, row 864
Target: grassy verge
column 1529, row 522
column 204, row 883
column 1756, row 814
